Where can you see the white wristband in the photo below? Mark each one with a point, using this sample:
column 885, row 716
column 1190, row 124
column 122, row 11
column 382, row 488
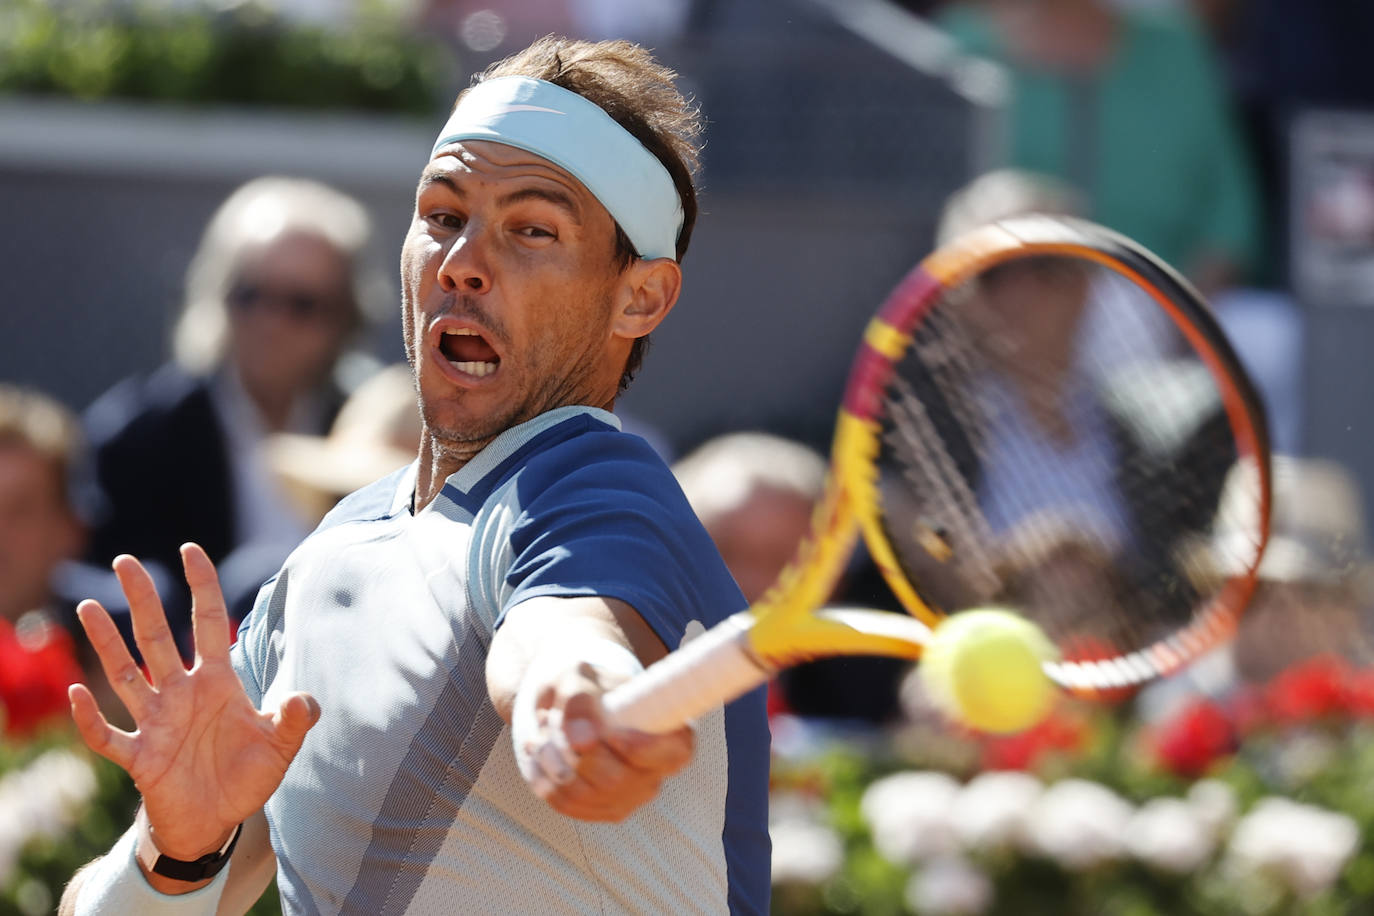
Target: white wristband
column 116, row 885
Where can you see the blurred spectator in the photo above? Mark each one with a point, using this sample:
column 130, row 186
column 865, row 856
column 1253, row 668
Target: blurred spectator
column 1062, row 396
column 1052, row 339
column 755, row 494
column 1126, row 104
column 1071, row 585
column 377, row 432
column 1264, row 327
column 271, row 304
column 1314, row 592
column 39, row 530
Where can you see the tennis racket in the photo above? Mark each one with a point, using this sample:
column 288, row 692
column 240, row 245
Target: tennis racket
column 1042, row 416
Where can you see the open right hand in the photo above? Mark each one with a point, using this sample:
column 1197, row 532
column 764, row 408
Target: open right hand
column 202, row 756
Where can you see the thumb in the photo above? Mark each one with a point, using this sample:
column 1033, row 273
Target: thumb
column 296, row 715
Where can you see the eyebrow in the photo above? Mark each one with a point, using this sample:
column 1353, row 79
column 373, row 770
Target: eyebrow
column 557, row 197
column 429, row 179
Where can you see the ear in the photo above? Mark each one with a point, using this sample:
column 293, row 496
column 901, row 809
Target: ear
column 648, row 291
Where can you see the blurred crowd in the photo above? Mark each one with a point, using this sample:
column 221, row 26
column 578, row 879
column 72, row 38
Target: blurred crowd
column 1163, row 120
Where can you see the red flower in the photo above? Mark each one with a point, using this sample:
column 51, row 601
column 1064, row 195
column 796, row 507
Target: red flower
column 1360, row 693
column 1318, row 688
column 1189, row 742
column 37, row 664
column 1060, row 733
column 1248, row 710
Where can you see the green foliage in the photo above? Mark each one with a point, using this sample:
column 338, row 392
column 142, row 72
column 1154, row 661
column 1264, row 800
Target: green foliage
column 239, row 55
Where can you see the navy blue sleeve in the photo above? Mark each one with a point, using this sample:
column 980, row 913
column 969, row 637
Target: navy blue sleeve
column 602, row 515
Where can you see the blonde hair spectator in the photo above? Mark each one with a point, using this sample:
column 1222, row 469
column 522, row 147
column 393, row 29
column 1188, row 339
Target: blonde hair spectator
column 33, row 420
column 259, row 212
column 721, row 474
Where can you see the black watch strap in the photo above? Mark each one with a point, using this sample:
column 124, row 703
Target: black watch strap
column 207, row 866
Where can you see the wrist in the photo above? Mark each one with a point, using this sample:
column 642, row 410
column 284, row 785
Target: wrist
column 116, row 883
column 161, row 864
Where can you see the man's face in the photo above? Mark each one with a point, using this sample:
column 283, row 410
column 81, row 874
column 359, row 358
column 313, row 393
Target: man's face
column 508, row 282
column 289, row 313
column 37, row 530
column 760, row 536
column 1027, row 313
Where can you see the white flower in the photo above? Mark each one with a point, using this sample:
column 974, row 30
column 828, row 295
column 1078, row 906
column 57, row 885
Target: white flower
column 1169, row 835
column 1079, row 823
column 909, row 816
column 1302, row 757
column 1214, row 802
column 11, row 841
column 949, row 885
column 1304, row 846
column 990, row 812
column 804, row 853
column 42, row 799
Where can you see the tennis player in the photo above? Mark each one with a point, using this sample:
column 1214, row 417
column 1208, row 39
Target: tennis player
column 370, row 738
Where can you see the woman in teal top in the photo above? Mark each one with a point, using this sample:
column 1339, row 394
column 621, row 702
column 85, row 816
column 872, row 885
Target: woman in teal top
column 1125, row 105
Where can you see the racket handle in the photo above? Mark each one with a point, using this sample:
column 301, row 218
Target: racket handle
column 712, row 669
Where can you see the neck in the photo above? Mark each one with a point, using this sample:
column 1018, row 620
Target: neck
column 440, row 460
column 273, row 404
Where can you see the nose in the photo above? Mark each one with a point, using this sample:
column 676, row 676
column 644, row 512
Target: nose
column 465, row 267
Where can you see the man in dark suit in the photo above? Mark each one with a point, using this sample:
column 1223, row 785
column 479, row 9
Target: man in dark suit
column 271, row 304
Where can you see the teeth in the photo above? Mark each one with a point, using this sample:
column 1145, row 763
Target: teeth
column 461, row 332
column 474, row 368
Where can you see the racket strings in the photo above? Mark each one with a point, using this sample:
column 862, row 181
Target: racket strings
column 1054, row 430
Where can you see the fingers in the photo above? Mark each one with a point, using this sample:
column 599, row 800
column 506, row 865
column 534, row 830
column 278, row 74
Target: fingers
column 151, row 632
column 662, row 754
column 209, row 616
column 101, row 737
column 607, row 787
column 124, row 675
column 587, row 770
column 297, row 714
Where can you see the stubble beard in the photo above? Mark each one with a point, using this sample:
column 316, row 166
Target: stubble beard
column 553, row 391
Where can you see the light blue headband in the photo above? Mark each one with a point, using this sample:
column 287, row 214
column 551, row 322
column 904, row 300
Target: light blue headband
column 578, row 136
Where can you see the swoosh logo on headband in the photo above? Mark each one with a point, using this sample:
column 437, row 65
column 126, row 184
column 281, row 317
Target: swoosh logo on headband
column 507, row 109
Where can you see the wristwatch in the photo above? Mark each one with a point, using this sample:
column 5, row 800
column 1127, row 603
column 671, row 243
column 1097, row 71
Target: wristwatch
column 207, row 866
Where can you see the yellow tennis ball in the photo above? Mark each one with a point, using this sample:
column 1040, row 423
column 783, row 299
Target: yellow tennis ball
column 985, row 668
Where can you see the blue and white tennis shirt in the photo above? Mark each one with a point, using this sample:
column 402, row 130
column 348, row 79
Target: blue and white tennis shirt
column 405, row 797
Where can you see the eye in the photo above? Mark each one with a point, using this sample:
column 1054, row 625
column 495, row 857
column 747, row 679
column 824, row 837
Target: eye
column 536, row 232
column 446, row 220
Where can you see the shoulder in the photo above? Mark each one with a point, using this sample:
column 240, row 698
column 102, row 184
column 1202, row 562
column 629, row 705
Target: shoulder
column 378, row 500
column 969, row 27
column 167, row 397
column 597, row 472
column 593, row 452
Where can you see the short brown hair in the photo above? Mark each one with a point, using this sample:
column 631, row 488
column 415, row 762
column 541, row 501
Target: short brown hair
column 641, row 96
column 32, row 420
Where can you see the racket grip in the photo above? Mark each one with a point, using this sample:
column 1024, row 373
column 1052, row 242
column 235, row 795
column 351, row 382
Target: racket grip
column 712, row 669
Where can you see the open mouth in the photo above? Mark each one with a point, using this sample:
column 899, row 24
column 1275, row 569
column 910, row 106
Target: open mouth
column 467, row 352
